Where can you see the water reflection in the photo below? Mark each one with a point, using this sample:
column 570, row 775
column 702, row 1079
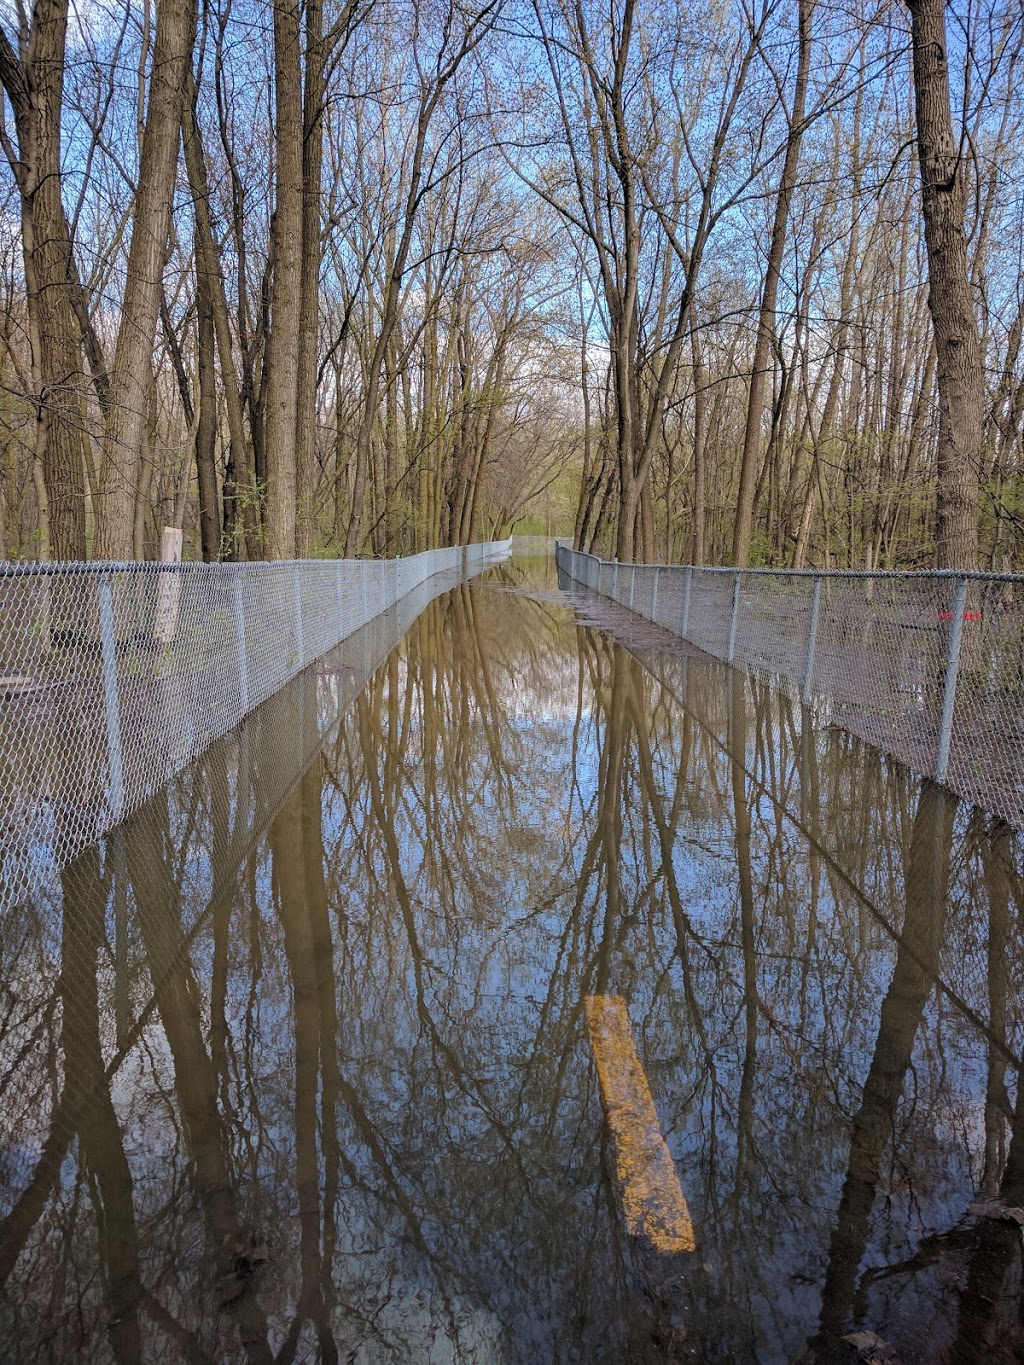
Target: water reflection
column 296, row 1064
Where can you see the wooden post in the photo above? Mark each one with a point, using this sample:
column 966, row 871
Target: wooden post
column 168, row 591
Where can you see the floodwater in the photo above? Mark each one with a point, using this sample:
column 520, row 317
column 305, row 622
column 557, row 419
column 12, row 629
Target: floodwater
column 527, row 996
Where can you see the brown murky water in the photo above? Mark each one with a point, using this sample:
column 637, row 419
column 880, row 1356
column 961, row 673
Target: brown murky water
column 297, row 1065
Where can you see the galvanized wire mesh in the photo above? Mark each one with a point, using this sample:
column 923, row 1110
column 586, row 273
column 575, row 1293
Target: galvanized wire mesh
column 927, row 666
column 185, row 846
column 113, row 677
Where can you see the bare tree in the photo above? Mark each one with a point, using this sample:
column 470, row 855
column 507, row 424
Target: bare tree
column 34, row 84
column 151, row 221
column 959, row 372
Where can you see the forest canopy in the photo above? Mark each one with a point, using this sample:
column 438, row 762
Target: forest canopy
column 727, row 283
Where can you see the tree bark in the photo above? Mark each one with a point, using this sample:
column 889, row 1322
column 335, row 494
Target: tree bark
column 286, row 289
column 133, row 357
column 700, row 442
column 960, row 379
column 309, row 305
column 240, row 489
column 206, row 429
column 743, row 529
column 35, row 88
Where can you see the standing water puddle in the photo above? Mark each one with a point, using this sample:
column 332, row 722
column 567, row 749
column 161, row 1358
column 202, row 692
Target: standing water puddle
column 542, row 999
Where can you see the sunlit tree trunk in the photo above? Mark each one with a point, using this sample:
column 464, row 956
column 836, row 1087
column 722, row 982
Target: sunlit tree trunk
column 286, row 288
column 743, row 528
column 210, row 281
column 35, row 88
column 958, row 349
column 133, row 357
column 309, row 305
column 700, row 442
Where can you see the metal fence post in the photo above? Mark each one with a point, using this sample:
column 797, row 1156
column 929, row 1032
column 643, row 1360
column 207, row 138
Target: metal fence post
column 654, row 595
column 108, row 648
column 949, row 689
column 615, row 582
column 366, row 593
column 632, row 586
column 684, row 627
column 812, row 639
column 243, row 658
column 300, row 635
column 731, row 651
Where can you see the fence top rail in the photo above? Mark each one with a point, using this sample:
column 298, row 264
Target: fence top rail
column 10, row 568
column 892, row 574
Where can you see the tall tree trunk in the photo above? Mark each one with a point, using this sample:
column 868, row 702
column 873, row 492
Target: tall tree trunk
column 700, row 443
column 151, row 221
column 309, row 306
column 35, row 88
column 958, row 348
column 286, row 290
column 743, row 529
column 206, row 429
column 241, row 487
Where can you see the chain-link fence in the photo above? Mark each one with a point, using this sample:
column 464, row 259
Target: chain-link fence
column 187, row 846
column 929, row 667
column 113, row 677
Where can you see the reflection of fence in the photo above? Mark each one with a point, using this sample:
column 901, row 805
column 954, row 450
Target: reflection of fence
column 114, row 676
column 927, row 666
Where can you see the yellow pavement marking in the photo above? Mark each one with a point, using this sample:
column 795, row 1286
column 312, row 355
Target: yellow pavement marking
column 652, row 1198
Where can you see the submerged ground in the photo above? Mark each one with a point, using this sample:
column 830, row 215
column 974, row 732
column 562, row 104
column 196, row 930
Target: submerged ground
column 298, row 1064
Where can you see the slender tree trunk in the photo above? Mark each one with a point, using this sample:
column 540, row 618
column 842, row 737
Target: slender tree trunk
column 35, row 88
column 309, row 307
column 958, row 348
column 206, row 430
column 743, row 528
column 700, row 445
column 286, row 252
column 133, row 357
column 241, row 488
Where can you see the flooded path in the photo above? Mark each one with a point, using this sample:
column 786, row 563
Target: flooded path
column 440, row 1010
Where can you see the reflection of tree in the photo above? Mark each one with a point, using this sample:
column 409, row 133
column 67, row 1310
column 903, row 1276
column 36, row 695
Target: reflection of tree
column 913, row 978
column 85, row 1110
column 296, row 842
column 995, row 847
column 151, row 859
column 992, row 1290
column 737, row 740
column 358, row 1040
column 99, row 1132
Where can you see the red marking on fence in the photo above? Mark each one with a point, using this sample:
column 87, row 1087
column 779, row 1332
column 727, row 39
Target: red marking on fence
column 968, row 615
